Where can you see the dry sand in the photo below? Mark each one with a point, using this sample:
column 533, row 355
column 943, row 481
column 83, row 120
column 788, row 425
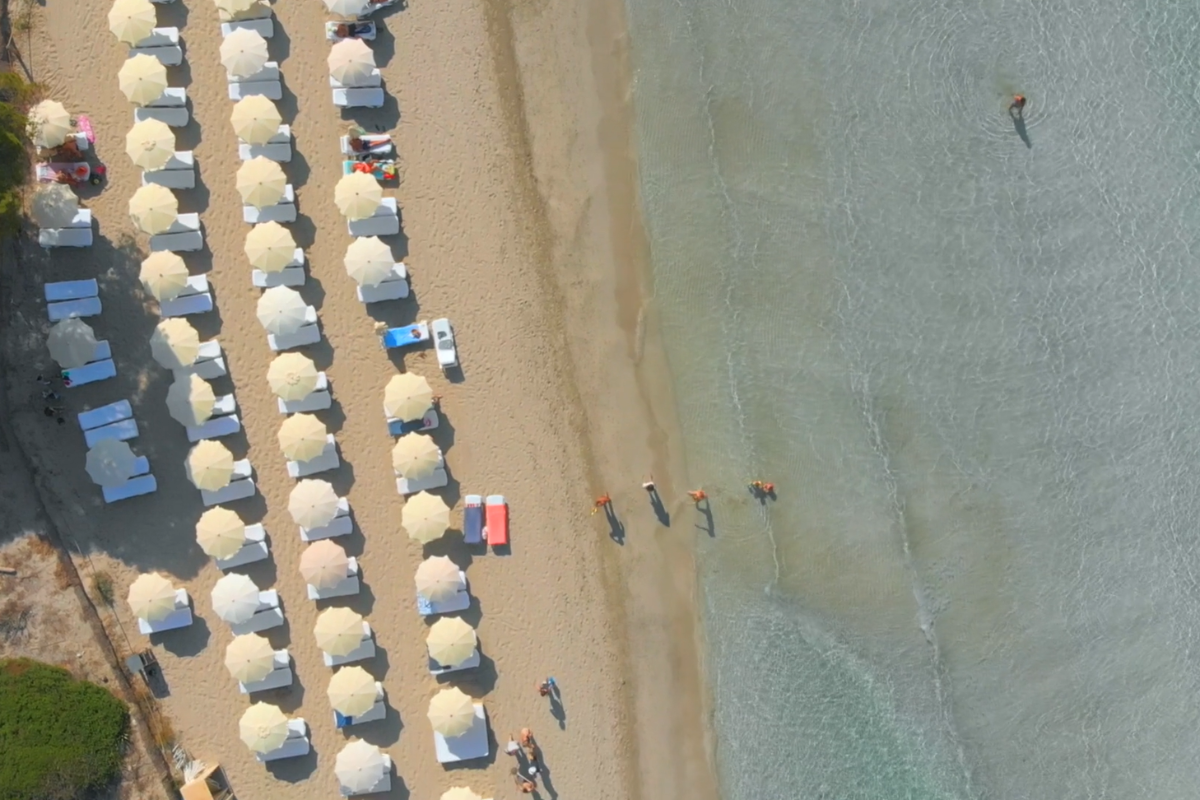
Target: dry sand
column 520, row 225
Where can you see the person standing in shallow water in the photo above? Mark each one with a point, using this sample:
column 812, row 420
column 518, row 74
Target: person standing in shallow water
column 1017, row 107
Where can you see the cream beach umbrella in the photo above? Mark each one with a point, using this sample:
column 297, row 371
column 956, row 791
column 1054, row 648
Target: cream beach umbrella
column 260, row 182
column 451, row 712
column 369, row 261
column 358, row 195
column 313, row 503
column 190, row 400
column 235, row 8
column 270, row 247
column 415, row 456
column 244, row 52
column 352, row 691
column 292, row 376
column 425, row 516
column 151, row 597
column 142, row 79
column 72, row 343
column 281, row 310
column 209, row 465
column 164, row 275
column 150, row 144
column 255, row 119
column 235, row 598
column 460, row 793
column 302, row 437
column 132, row 20
column 451, row 641
column 339, row 631
column 175, row 343
column 54, row 206
column 438, row 579
column 249, row 658
column 351, row 62
column 407, row 397
column 221, row 533
column 324, row 564
column 347, row 8
column 359, row 766
column 263, row 727
column 49, row 124
column 110, row 463
column 153, row 208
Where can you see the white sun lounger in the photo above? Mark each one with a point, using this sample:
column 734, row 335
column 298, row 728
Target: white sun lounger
column 215, row 428
column 177, row 242
column 105, row 415
column 340, row 525
column 82, row 219
column 255, row 549
column 159, row 37
column 470, row 745
column 281, row 152
column 278, row 678
column 283, row 211
column 134, row 487
column 373, row 714
column 326, row 461
column 377, row 144
column 288, row 276
column 294, row 746
column 310, row 333
column 178, row 173
column 317, row 400
column 181, row 617
column 268, row 615
column 269, row 72
column 100, row 368
column 240, row 486
column 174, row 117
column 184, row 223
column 346, row 587
column 186, row 305
column 471, row 663
column 283, row 135
column 122, row 431
column 358, row 98
column 435, row 480
column 172, row 97
column 365, row 650
column 88, row 307
column 385, row 222
column 71, row 290
column 272, row 90
column 65, row 237
column 460, row 602
column 209, row 363
column 264, row 27
column 169, row 55
column 393, row 289
column 373, row 79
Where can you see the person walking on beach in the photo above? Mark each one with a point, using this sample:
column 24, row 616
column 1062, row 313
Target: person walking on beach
column 603, row 501
column 698, row 496
column 546, row 686
column 524, row 784
column 648, row 485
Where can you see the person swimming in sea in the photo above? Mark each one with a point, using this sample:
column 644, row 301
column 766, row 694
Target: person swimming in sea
column 1017, row 106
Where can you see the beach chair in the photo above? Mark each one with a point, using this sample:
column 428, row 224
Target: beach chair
column 348, row 586
column 215, row 428
column 178, row 173
column 283, row 211
column 86, row 307
column 394, row 288
column 377, row 144
column 281, row 151
column 240, row 486
column 437, row 669
column 272, row 90
column 159, row 37
column 100, row 368
column 186, row 305
column 181, row 617
column 269, row 72
column 373, row 714
column 317, row 400
column 163, row 44
column 374, row 78
column 365, row 650
column 65, row 237
column 175, row 117
column 289, row 276
column 426, row 423
column 134, row 487
column 295, row 745
column 184, row 235
column 435, row 480
column 268, row 615
column 255, row 549
column 385, row 222
column 263, row 26
column 122, row 431
column 473, row 519
column 357, row 30
column 209, row 363
column 417, row 333
column 470, row 745
column 461, row 601
column 172, row 97
column 358, row 98
column 70, row 290
column 340, row 525
column 278, row 678
column 309, row 334
column 326, row 461
column 105, row 415
column 497, row 521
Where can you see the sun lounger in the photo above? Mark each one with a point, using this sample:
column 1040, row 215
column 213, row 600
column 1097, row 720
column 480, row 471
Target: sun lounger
column 186, row 305
column 272, row 90
column 71, row 290
column 437, row 479
column 372, row 714
column 175, row 117
column 263, row 620
column 417, row 333
column 374, row 78
column 224, row 405
column 181, row 617
column 426, row 423
column 346, row 587
column 378, row 144
column 275, row 152
column 122, row 431
column 264, row 27
column 340, row 525
column 87, row 307
column 215, row 428
column 159, row 37
column 326, row 461
column 470, row 745
column 395, row 288
column 82, row 219
column 283, row 211
column 360, row 30
column 439, row 669
column 294, row 746
column 172, row 97
column 358, row 98
column 65, row 237
column 473, row 519
column 269, row 72
column 209, row 363
column 278, row 678
column 283, row 135
column 241, row 485
column 169, row 55
column 74, row 172
column 105, row 415
column 255, row 549
column 309, row 334
column 497, row 520
column 365, row 650
column 289, row 276
column 378, row 168
column 178, row 173
column 318, row 400
column 134, row 487
column 460, row 602
column 385, row 222
column 184, row 235
column 91, row 372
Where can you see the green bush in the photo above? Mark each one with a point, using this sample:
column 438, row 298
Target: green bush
column 59, row 737
column 15, row 95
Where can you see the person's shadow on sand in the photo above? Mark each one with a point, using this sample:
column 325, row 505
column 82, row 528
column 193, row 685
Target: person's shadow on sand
column 616, row 528
column 660, row 511
column 557, row 709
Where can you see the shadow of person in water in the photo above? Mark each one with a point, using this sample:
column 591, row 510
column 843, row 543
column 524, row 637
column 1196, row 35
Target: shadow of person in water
column 1016, row 111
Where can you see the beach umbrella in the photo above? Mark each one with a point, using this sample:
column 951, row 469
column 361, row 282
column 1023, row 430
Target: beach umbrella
column 292, row 376
column 460, row 793
column 263, row 727
column 313, row 503
column 209, row 465
column 150, row 144
column 175, row 343
column 352, row 691
column 281, row 310
column 54, row 206
column 151, row 597
column 249, row 658
column 358, row 195
column 164, row 275
column 359, row 766
column 153, row 208
column 351, row 62
column 244, row 52
column 110, row 463
column 425, row 516
column 235, row 8
column 347, row 8
column 221, row 534
column 260, row 182
column 339, row 631
column 270, row 247
column 324, row 564
column 407, row 397
column 142, row 79
column 72, row 342
column 302, row 437
column 190, row 400
column 451, row 713
column 369, row 261
column 415, row 456
column 438, row 579
column 451, row 641
column 49, row 124
column 132, row 20
column 255, row 119
column 235, row 598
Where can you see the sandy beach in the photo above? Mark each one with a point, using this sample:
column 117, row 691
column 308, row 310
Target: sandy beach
column 520, row 224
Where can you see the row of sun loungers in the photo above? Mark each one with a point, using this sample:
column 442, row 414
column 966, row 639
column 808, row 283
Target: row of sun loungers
column 170, row 108
column 178, row 173
column 115, row 421
column 78, row 233
column 278, row 148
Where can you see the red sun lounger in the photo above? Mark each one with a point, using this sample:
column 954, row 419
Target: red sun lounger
column 497, row 520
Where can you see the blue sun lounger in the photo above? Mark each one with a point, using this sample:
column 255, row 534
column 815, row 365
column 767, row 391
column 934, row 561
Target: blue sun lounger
column 105, row 415
column 100, row 368
column 427, row 423
column 473, row 519
column 417, row 333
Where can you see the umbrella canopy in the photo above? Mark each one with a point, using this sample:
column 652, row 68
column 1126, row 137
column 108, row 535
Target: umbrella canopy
column 153, row 208
column 132, row 20
column 72, row 343
column 110, row 463
column 263, row 727
column 150, row 144
column 313, row 503
column 292, row 376
column 164, row 275
column 451, row 712
column 249, row 658
column 270, row 247
column 235, row 8
column 451, row 641
column 415, row 456
column 175, row 343
column 255, row 119
column 49, row 123
column 460, row 793
column 209, row 465
column 368, row 260
column 190, row 400
column 302, row 437
column 324, row 564
column 407, row 397
column 54, row 206
column 339, row 631
column 260, row 182
column 347, row 8
column 351, row 62
column 244, row 52
column 142, row 79
column 438, row 579
column 359, row 766
column 358, row 195
column 425, row 517
column 281, row 310
column 220, row 534
column 151, row 597
column 352, row 691
column 235, row 598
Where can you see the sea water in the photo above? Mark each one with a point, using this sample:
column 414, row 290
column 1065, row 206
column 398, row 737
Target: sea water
column 967, row 350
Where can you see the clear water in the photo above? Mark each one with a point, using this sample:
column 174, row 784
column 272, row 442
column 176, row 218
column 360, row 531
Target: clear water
column 971, row 364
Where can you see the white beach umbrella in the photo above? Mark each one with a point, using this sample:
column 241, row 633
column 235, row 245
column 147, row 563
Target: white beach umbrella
column 190, row 400
column 407, row 397
column 347, row 8
column 54, row 206
column 358, row 195
column 175, row 343
column 438, row 579
column 281, row 310
column 292, row 376
column 261, row 182
column 72, row 343
column 324, row 564
column 369, row 261
column 313, row 503
column 151, row 597
column 263, row 728
column 209, row 465
column 451, row 712
column 221, row 533
column 153, row 208
column 460, row 793
column 49, row 124
column 359, row 766
column 132, row 20
column 150, row 144
column 425, row 516
column 338, row 631
column 270, row 247
column 255, row 119
column 164, row 275
column 244, row 52
column 415, row 456
column 235, row 8
column 451, row 641
column 351, row 62
column 302, row 437
column 235, row 598
column 352, row 691
column 142, row 79
column 110, row 463
column 249, row 658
